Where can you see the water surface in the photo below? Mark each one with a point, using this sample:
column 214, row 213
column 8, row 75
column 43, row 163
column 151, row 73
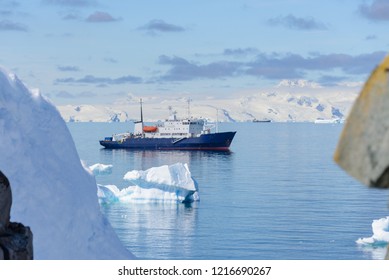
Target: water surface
column 276, row 195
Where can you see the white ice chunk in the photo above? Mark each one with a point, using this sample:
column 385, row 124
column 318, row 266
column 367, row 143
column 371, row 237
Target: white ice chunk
column 101, row 169
column 380, row 235
column 108, row 194
column 176, row 175
column 167, row 183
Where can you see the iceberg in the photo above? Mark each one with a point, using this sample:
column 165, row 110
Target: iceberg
column 376, row 245
column 53, row 193
column 167, row 184
column 380, row 235
column 101, row 169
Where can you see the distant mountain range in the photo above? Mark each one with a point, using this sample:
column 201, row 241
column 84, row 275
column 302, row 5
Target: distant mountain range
column 289, row 101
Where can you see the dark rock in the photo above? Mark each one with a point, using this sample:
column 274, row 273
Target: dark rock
column 5, row 202
column 16, row 243
column 15, row 238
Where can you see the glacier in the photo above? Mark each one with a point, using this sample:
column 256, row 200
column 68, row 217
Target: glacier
column 163, row 184
column 289, row 101
column 53, row 193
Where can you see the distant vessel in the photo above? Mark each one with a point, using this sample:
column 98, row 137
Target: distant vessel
column 323, row 121
column 171, row 134
column 262, row 121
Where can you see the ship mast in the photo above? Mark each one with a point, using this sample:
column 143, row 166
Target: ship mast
column 189, row 100
column 141, row 117
column 217, row 120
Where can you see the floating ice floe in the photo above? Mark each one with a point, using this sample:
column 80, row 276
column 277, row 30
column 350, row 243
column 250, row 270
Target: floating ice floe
column 167, row 183
column 380, row 235
column 377, row 243
column 101, row 169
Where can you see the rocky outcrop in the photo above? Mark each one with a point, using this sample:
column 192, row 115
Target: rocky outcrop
column 5, row 202
column 16, row 243
column 15, row 238
column 363, row 149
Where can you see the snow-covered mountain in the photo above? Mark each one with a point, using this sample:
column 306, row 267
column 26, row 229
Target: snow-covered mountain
column 296, row 101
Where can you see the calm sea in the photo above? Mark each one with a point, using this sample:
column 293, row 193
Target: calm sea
column 276, row 195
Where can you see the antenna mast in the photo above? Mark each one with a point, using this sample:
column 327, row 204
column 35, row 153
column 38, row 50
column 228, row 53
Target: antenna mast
column 217, row 120
column 141, row 117
column 189, row 100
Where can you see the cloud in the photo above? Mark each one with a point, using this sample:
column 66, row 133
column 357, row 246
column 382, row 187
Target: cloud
column 10, row 4
column 110, row 60
column 6, row 25
column 240, row 52
column 183, row 70
column 280, row 66
column 377, row 10
column 156, row 26
column 370, row 37
column 68, row 68
column 71, row 3
column 101, row 17
column 90, row 79
column 65, row 94
column 297, row 23
column 87, row 94
column 71, row 16
column 328, row 80
column 269, row 66
column 5, row 13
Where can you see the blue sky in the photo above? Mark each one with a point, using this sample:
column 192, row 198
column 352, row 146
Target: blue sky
column 96, row 52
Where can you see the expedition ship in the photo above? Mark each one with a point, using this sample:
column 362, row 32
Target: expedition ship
column 171, row 134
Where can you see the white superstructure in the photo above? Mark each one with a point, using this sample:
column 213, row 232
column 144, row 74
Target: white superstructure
column 173, row 128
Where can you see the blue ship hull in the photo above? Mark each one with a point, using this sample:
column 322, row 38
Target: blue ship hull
column 212, row 141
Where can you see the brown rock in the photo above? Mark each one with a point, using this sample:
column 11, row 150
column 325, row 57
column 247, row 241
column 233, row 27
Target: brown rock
column 363, row 149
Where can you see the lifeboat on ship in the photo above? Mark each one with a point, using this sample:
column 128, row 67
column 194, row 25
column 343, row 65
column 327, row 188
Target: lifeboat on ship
column 149, row 129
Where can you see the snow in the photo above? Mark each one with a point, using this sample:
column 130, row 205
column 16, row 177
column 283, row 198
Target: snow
column 290, row 100
column 101, row 169
column 166, row 184
column 53, row 193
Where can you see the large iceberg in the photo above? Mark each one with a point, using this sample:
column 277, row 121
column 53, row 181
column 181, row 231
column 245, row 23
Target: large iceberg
column 167, row 183
column 52, row 192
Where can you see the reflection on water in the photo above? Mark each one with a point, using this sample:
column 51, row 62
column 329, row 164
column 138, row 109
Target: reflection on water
column 277, row 195
column 145, row 159
column 161, row 230
column 154, row 231
column 373, row 252
column 198, row 161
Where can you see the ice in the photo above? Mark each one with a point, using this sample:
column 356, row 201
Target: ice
column 164, row 184
column 377, row 243
column 53, row 194
column 108, row 194
column 101, row 169
column 380, row 235
column 176, row 175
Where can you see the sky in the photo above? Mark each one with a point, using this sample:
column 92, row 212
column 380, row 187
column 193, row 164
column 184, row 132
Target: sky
column 99, row 52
